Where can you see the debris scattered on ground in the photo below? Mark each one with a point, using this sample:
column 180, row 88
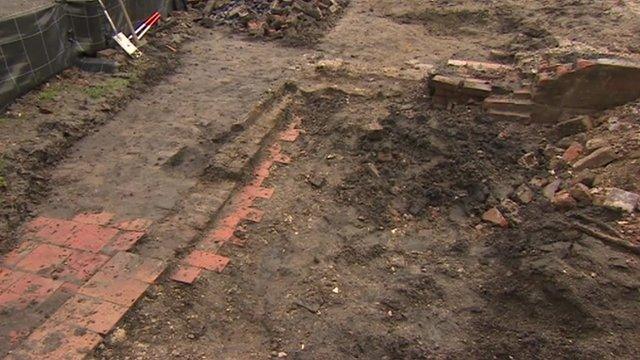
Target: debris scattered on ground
column 294, row 19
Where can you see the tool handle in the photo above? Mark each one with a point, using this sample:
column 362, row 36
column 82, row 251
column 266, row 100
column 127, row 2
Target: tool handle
column 106, row 13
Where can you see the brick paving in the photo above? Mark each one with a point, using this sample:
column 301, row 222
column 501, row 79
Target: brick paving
column 68, row 283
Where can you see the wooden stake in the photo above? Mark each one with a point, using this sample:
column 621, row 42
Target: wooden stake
column 136, row 41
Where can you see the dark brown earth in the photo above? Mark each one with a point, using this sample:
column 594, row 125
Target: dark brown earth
column 372, row 246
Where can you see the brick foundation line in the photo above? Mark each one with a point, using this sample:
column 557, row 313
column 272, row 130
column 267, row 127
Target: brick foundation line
column 240, row 208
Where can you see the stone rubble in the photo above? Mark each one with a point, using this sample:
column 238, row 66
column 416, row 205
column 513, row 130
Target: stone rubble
column 269, row 19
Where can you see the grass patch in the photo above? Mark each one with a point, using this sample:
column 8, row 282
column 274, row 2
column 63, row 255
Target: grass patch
column 50, row 93
column 108, row 87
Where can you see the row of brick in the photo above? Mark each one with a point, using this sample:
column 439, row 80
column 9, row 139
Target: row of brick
column 240, row 208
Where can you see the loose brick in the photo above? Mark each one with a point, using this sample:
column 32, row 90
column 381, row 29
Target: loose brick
column 564, row 200
column 573, row 152
column 494, row 216
column 44, row 259
column 94, row 314
column 186, row 274
column 90, row 237
column 598, row 158
column 102, row 218
column 135, row 225
column 207, row 260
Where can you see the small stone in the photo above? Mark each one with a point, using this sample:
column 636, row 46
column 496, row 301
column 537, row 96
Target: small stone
column 374, row 130
column 564, row 200
column 524, row 194
column 529, row 160
column 538, row 182
column 494, row 216
column 596, row 159
column 550, row 190
column 596, row 143
column 581, row 193
column 573, row 152
column 512, row 210
column 620, row 199
column 587, row 178
column 118, row 336
column 316, row 180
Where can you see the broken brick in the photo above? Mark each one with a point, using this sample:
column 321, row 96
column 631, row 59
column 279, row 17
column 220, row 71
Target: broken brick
column 186, row 274
column 494, row 216
column 564, row 200
column 207, row 260
column 596, row 159
column 573, row 152
column 581, row 193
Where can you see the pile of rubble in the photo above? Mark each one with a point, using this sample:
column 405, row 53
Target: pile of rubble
column 268, row 18
column 591, row 155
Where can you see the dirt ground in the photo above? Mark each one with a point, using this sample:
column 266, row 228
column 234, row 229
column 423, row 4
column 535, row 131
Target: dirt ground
column 372, row 246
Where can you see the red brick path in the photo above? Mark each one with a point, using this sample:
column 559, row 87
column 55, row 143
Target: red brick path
column 68, row 283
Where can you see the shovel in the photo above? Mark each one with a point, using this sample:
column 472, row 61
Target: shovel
column 119, row 37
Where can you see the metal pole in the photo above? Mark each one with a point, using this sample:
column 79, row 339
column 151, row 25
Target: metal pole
column 129, row 23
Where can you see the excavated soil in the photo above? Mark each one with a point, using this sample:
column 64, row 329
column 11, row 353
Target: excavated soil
column 372, row 246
